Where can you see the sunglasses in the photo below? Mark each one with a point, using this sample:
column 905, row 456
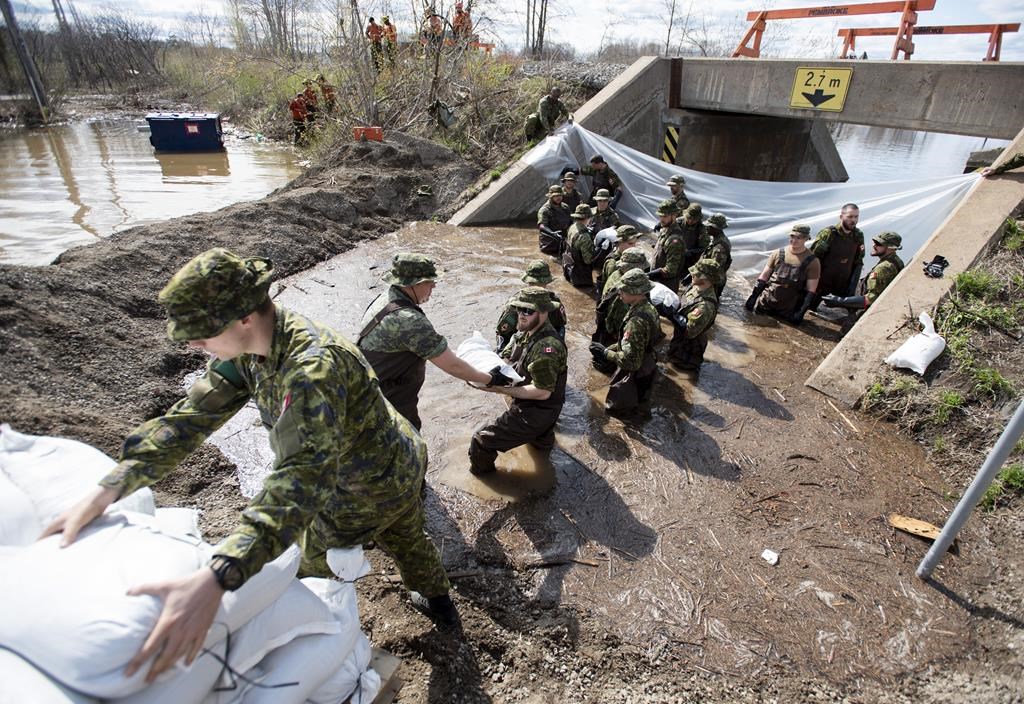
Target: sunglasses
column 525, row 312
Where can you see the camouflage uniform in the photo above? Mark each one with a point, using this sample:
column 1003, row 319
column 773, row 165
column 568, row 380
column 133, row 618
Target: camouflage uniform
column 719, row 248
column 604, row 179
column 1014, row 162
column 537, row 274
column 578, row 257
column 396, row 337
column 670, row 250
column 611, row 310
column 605, row 218
column 841, row 254
column 540, row 357
column 700, row 307
column 347, row 468
column 679, row 198
column 633, row 354
column 880, row 277
column 557, row 218
column 572, row 198
column 695, row 236
column 549, row 111
column 627, row 234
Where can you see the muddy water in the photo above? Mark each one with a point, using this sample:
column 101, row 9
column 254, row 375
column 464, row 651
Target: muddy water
column 656, row 526
column 68, row 185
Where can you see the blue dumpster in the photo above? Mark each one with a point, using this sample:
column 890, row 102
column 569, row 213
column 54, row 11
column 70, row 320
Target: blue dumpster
column 185, row 131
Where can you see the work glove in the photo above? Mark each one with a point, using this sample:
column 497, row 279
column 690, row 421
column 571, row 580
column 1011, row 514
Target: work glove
column 935, row 268
column 680, row 322
column 851, row 287
column 798, row 315
column 656, row 274
column 759, row 288
column 849, row 302
column 597, row 351
column 499, row 379
column 657, row 228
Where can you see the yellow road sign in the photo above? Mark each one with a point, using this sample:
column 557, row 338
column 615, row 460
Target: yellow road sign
column 816, row 88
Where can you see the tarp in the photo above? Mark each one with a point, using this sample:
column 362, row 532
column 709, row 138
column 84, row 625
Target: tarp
column 760, row 213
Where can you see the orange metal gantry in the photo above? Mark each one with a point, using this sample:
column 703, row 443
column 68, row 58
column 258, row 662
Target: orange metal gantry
column 994, row 31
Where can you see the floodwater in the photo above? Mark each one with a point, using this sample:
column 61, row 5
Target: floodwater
column 885, row 154
column 655, row 526
column 68, row 185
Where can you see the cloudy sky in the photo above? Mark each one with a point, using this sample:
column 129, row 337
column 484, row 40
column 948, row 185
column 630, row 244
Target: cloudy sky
column 589, row 24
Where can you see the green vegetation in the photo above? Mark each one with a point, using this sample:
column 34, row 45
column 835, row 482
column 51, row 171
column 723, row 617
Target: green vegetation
column 948, row 402
column 1008, row 484
column 1013, row 240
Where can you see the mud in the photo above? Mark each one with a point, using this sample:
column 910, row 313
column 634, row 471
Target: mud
column 637, row 577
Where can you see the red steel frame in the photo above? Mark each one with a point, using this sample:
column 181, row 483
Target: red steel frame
column 994, row 31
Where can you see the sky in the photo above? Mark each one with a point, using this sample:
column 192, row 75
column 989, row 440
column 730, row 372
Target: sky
column 588, row 25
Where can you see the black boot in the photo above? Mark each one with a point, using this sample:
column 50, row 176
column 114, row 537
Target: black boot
column 438, row 608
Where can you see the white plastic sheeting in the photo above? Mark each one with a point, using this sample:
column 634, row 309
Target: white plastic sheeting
column 760, row 213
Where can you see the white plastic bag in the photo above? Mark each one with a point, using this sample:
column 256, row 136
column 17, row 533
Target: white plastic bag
column 606, row 239
column 920, row 350
column 662, row 295
column 478, row 353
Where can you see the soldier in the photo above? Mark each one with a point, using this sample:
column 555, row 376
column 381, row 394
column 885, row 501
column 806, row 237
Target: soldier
column 553, row 220
column 787, row 284
column 391, row 37
column 670, row 250
column 625, row 237
column 870, row 287
column 538, row 273
column 398, row 340
column 570, row 196
column 698, row 308
column 299, row 114
column 840, row 249
column 602, row 177
column 550, row 109
column 347, row 468
column 719, row 248
column 633, row 354
column 611, row 311
column 538, row 354
column 675, row 185
column 578, row 256
column 695, row 235
column 1014, row 162
column 604, row 216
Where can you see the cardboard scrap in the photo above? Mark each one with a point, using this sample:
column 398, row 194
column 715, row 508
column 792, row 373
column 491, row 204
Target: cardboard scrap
column 922, row 529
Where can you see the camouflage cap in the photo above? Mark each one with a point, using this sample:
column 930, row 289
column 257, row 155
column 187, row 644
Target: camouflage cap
column 632, row 258
column 212, row 291
column 537, row 272
column 635, row 283
column 627, row 233
column 706, row 269
column 801, row 229
column 534, row 298
column 667, row 207
column 555, row 190
column 602, row 194
column 693, row 212
column 889, row 239
column 676, row 180
column 409, row 269
column 582, row 212
column 569, row 176
column 717, row 220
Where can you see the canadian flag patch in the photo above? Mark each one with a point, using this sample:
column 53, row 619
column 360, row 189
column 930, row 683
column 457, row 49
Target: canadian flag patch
column 549, row 349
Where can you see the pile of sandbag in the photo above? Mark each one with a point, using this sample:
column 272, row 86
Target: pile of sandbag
column 68, row 627
column 480, row 354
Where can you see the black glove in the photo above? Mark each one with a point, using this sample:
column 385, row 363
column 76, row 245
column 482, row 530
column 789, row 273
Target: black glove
column 850, row 302
column 851, row 288
column 656, row 274
column 597, row 351
column 759, row 288
column 498, row 379
column 679, row 321
column 799, row 313
column 935, row 268
column 657, row 228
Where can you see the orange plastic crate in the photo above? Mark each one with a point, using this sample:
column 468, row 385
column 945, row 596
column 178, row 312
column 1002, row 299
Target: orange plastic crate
column 375, row 134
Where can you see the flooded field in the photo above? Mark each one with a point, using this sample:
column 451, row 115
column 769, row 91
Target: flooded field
column 68, row 185
column 655, row 527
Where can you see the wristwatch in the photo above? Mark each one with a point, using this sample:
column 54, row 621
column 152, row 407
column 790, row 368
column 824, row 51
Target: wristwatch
column 227, row 572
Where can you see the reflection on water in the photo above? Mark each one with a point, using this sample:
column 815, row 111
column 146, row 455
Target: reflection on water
column 885, row 154
column 68, row 185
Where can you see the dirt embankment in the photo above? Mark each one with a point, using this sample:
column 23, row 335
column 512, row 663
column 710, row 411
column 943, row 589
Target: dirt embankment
column 81, row 339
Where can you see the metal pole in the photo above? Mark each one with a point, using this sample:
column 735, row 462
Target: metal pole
column 35, row 83
column 993, row 463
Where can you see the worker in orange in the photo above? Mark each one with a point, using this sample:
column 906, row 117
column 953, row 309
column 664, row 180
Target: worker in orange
column 375, row 34
column 462, row 24
column 312, row 101
column 299, row 115
column 433, row 28
column 391, row 37
column 327, row 92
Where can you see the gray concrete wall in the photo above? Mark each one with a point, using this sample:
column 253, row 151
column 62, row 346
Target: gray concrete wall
column 981, row 99
column 962, row 239
column 756, row 147
column 627, row 110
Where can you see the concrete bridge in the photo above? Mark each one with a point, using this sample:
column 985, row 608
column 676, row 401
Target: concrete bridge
column 766, row 120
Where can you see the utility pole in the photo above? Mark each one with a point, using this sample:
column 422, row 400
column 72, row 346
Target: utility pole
column 35, row 83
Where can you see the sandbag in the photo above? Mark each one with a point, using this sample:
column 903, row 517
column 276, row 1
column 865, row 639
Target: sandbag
column 663, row 297
column 605, row 239
column 21, row 682
column 478, row 353
column 87, row 640
column 19, row 523
column 920, row 350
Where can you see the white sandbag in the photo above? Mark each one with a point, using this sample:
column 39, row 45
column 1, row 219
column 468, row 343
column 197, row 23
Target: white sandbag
column 87, row 640
column 178, row 521
column 354, row 682
column 188, row 685
column 662, row 295
column 19, row 524
column 56, row 473
column 478, row 353
column 308, row 661
column 920, row 350
column 21, row 682
column 605, row 239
